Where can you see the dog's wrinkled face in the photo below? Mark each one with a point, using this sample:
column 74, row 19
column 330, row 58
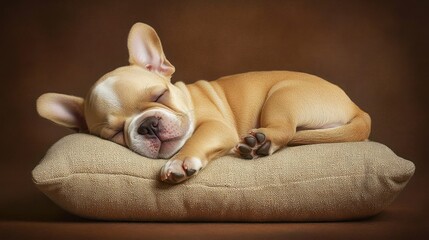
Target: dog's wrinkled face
column 135, row 106
column 139, row 109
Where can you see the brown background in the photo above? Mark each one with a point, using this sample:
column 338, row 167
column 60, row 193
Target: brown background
column 376, row 51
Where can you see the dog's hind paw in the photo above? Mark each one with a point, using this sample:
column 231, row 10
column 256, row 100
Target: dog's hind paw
column 177, row 170
column 253, row 145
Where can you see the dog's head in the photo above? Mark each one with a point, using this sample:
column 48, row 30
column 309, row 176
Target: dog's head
column 135, row 106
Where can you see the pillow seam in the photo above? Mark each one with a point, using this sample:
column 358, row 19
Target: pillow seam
column 60, row 179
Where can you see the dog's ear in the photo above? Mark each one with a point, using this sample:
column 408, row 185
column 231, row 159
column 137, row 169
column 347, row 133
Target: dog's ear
column 62, row 109
column 145, row 50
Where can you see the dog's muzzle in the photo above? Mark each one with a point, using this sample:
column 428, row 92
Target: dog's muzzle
column 158, row 133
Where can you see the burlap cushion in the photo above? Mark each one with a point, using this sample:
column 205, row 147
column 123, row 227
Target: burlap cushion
column 98, row 179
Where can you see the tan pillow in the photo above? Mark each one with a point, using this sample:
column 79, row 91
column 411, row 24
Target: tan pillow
column 98, row 179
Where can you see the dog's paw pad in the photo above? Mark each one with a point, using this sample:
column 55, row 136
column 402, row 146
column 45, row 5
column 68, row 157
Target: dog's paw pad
column 177, row 175
column 264, row 149
column 190, row 172
column 260, row 137
column 250, row 141
column 245, row 149
column 253, row 145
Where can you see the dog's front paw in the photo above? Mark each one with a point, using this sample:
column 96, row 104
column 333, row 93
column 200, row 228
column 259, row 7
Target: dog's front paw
column 253, row 145
column 178, row 170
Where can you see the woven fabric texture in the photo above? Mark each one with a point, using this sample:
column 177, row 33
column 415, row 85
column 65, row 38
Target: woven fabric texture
column 98, row 179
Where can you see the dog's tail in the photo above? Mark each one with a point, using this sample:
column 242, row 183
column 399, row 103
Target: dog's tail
column 358, row 129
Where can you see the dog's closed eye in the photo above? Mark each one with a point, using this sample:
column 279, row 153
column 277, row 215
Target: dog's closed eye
column 114, row 132
column 118, row 137
column 161, row 96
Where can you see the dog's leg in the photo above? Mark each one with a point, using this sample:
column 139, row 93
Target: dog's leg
column 321, row 112
column 210, row 140
column 277, row 126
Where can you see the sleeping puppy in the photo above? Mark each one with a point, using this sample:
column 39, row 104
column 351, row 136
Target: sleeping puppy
column 252, row 114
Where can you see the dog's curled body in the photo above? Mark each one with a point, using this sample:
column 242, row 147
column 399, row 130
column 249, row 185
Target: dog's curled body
column 288, row 108
column 252, row 114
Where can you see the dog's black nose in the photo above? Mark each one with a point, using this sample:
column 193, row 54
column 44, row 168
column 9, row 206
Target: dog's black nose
column 149, row 127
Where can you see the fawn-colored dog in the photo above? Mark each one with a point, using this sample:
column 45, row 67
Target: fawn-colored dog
column 251, row 114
